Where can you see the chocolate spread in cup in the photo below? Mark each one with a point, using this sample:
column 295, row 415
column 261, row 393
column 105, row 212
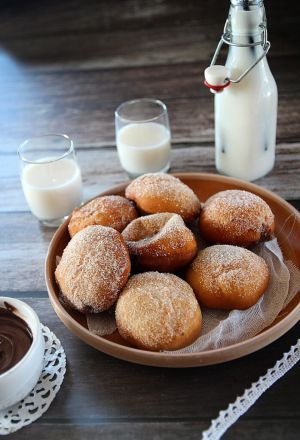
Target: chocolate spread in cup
column 15, row 338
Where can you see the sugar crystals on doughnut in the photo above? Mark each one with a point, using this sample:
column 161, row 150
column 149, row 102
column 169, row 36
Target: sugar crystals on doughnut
column 159, row 192
column 228, row 277
column 236, row 217
column 114, row 211
column 94, row 268
column 160, row 242
column 158, row 311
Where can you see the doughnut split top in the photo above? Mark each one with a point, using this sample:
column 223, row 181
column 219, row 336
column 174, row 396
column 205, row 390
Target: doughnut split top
column 160, row 242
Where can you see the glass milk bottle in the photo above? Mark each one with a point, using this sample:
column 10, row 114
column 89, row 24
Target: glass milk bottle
column 245, row 95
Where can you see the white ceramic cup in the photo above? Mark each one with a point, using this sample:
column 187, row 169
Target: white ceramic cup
column 18, row 381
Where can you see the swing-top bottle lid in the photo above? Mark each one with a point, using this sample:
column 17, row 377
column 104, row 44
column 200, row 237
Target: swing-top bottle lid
column 245, row 27
column 216, row 77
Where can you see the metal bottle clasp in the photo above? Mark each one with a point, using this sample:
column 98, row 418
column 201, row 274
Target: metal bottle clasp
column 226, row 38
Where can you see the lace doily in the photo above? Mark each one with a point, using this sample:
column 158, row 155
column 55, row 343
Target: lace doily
column 40, row 398
column 228, row 417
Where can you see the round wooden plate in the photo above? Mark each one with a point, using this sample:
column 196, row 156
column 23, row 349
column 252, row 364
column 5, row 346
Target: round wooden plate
column 204, row 185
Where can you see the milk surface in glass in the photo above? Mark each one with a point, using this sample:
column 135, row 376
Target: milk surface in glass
column 52, row 189
column 144, row 147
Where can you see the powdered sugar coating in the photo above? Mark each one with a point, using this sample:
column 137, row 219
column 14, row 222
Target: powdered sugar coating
column 153, row 228
column 236, row 217
column 228, row 277
column 114, row 211
column 158, row 311
column 94, row 267
column 159, row 192
column 160, row 242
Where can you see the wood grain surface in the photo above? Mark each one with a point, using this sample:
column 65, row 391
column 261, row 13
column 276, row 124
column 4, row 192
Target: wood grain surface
column 64, row 67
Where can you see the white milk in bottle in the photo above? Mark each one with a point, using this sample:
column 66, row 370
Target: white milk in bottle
column 246, row 109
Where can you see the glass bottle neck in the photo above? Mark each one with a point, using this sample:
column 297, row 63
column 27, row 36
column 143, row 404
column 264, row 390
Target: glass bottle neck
column 246, row 5
column 246, row 23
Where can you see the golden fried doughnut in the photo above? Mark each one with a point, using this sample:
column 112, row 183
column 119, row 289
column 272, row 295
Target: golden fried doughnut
column 163, row 193
column 228, row 277
column 160, row 242
column 93, row 269
column 113, row 211
column 236, row 217
column 158, row 311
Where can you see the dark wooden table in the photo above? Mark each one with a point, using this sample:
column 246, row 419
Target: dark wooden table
column 64, row 67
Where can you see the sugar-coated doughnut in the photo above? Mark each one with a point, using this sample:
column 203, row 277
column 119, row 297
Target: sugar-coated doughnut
column 160, row 242
column 113, row 211
column 228, row 277
column 236, row 217
column 158, row 311
column 159, row 192
column 93, row 269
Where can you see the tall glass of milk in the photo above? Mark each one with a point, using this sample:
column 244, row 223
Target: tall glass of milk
column 51, row 177
column 143, row 136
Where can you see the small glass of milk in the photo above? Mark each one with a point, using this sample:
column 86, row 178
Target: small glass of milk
column 51, row 177
column 143, row 136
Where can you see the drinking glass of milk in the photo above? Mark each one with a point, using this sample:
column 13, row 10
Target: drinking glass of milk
column 51, row 177
column 143, row 136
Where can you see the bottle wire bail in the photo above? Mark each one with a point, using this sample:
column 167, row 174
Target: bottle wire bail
column 226, row 39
